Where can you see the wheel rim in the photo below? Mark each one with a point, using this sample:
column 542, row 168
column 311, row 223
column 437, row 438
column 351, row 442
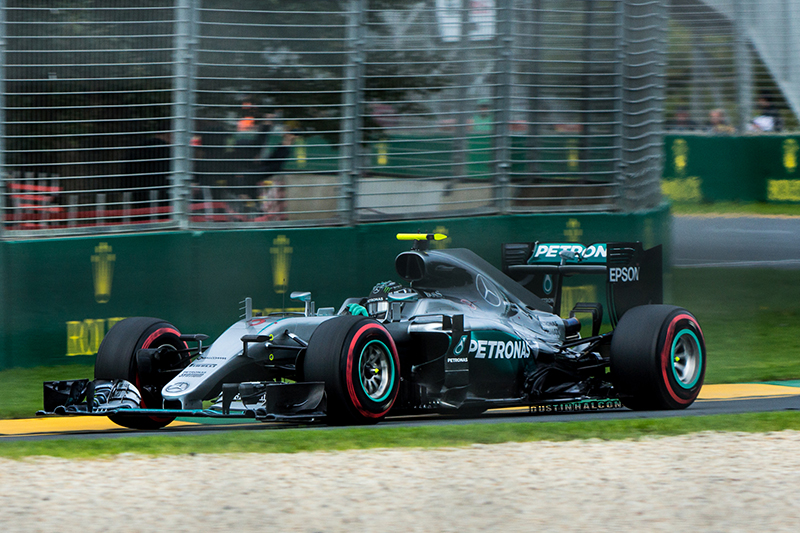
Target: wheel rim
column 376, row 371
column 687, row 358
column 156, row 340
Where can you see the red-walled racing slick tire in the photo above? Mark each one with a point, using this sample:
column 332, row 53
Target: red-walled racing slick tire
column 116, row 359
column 658, row 358
column 357, row 359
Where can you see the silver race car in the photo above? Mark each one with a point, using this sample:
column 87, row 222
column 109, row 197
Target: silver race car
column 460, row 336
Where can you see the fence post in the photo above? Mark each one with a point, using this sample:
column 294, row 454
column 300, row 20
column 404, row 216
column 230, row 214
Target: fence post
column 463, row 105
column 503, row 146
column 744, row 68
column 3, row 209
column 350, row 163
column 181, row 112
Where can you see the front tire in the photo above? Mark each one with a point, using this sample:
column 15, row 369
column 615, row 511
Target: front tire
column 357, row 359
column 116, row 359
column 658, row 358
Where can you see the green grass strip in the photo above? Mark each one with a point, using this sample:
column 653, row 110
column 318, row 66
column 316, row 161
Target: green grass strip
column 385, row 436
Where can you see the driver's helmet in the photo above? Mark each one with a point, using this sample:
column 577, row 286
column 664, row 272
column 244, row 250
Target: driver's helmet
column 378, row 300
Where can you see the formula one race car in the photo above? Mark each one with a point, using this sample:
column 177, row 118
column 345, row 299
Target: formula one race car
column 462, row 337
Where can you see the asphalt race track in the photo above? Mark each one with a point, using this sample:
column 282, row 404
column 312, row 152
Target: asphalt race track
column 728, row 241
column 714, row 400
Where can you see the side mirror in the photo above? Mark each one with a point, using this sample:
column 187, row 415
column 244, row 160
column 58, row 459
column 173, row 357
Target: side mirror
column 304, row 296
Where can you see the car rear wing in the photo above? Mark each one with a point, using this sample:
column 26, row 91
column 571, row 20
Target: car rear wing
column 632, row 274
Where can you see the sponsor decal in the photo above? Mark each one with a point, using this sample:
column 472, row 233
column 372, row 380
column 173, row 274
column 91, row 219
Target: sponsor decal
column 575, row 407
column 487, row 290
column 457, row 360
column 790, row 148
column 84, row 336
column 281, row 263
column 468, row 304
column 548, row 252
column 102, row 272
column 175, row 388
column 783, row 190
column 192, row 374
column 623, row 274
column 499, row 349
column 460, row 347
column 680, row 156
column 689, row 189
column 573, row 233
column 547, row 284
column 551, row 324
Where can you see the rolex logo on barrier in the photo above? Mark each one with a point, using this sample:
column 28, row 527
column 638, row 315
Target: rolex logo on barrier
column 103, row 272
column 281, row 263
column 790, row 148
column 680, row 156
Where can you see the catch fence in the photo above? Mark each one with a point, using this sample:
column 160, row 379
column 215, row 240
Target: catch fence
column 733, row 66
column 132, row 115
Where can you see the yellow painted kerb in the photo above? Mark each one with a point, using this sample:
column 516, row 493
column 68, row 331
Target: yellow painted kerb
column 28, row 426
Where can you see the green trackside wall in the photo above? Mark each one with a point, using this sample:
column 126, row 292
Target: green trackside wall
column 754, row 168
column 60, row 296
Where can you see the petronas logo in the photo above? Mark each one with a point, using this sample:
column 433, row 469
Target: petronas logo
column 103, row 272
column 281, row 263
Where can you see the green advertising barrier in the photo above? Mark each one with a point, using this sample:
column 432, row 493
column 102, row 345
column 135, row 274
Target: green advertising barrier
column 60, row 296
column 755, row 168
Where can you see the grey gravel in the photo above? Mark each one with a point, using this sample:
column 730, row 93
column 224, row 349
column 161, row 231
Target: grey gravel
column 724, row 482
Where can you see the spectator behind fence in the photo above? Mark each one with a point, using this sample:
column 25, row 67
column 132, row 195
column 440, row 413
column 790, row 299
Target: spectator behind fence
column 482, row 122
column 247, row 144
column 718, row 122
column 768, row 118
column 274, row 161
column 681, row 121
column 147, row 168
column 271, row 187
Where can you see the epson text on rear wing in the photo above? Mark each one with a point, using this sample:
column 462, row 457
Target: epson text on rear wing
column 633, row 275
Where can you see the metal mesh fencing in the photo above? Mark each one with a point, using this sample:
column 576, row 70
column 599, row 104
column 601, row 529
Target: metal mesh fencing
column 733, row 66
column 127, row 115
column 87, row 109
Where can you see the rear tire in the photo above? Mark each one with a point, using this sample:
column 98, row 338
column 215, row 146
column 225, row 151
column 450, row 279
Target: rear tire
column 116, row 359
column 357, row 359
column 658, row 358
